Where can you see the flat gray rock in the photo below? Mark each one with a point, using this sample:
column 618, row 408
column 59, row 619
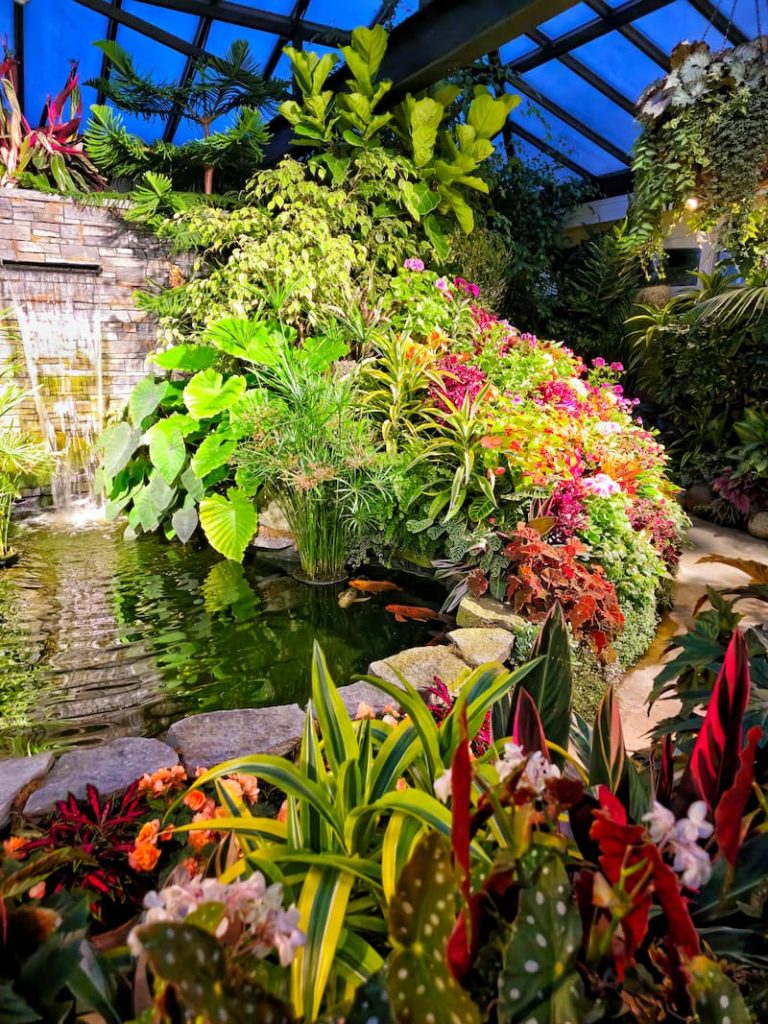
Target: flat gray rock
column 420, row 665
column 111, row 768
column 484, row 611
column 16, row 773
column 363, row 693
column 478, row 645
column 210, row 738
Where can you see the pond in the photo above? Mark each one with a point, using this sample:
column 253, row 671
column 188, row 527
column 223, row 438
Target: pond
column 101, row 638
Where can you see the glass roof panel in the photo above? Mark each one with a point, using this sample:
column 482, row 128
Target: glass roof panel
column 222, row 35
column 678, row 21
column 580, row 99
column 343, row 15
column 565, row 140
column 175, row 22
column 574, row 17
column 517, row 48
column 745, row 16
column 48, row 53
column 619, row 63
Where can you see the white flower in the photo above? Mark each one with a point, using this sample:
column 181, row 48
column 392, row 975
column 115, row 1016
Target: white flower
column 692, row 863
column 695, row 825
column 661, row 822
column 537, row 768
column 443, row 787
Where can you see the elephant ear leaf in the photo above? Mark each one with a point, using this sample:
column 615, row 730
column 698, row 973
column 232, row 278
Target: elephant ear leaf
column 421, row 917
column 229, row 522
column 191, row 961
column 538, row 982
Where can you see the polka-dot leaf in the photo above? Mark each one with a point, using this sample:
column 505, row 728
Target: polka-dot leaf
column 371, row 1004
column 715, row 997
column 421, row 916
column 193, row 963
column 538, row 983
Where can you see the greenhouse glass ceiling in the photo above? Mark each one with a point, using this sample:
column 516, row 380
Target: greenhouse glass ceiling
column 579, row 67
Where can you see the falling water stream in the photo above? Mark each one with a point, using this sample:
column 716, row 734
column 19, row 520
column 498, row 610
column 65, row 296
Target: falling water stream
column 61, row 359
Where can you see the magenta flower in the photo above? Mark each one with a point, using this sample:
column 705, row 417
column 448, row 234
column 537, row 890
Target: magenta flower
column 414, row 264
column 599, row 363
column 617, row 367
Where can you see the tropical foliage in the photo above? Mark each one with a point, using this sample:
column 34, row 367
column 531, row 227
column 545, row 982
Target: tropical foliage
column 392, row 872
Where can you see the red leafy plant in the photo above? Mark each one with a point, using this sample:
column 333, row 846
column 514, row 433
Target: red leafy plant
column 541, row 573
column 52, row 153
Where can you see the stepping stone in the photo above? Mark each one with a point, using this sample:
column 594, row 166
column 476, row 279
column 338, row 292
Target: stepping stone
column 210, row 738
column 419, row 666
column 16, row 773
column 484, row 611
column 363, row 693
column 111, row 768
column 477, row 646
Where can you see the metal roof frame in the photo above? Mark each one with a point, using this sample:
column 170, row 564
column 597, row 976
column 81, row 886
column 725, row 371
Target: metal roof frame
column 440, row 38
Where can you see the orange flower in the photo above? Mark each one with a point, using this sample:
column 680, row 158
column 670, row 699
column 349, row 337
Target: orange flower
column 401, row 785
column 144, row 856
column 233, row 787
column 282, row 814
column 14, row 847
column 37, row 891
column 249, row 784
column 148, row 832
column 198, row 839
column 195, row 799
column 163, row 780
column 364, row 711
column 166, row 835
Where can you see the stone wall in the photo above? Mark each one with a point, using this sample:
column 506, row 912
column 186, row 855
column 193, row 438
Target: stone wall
column 75, row 268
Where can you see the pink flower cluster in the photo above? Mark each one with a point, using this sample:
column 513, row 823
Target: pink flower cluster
column 649, row 515
column 567, row 507
column 458, row 381
column 412, row 263
column 559, row 394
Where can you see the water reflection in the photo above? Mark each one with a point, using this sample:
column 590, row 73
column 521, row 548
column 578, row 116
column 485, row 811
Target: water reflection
column 101, row 638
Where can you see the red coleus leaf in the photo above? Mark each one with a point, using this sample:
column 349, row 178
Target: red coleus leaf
column 729, row 811
column 714, row 759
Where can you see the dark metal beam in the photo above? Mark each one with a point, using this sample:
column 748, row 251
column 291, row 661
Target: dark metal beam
column 297, row 13
column 633, row 34
column 19, row 53
column 619, row 183
column 442, row 38
column 252, row 17
column 106, row 63
column 589, row 133
column 550, row 151
column 144, row 27
column 200, row 40
column 585, row 72
column 719, row 21
column 610, row 19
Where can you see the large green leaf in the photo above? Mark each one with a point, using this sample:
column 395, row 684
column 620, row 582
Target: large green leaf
column 190, row 358
column 185, row 522
column 118, row 444
column 321, row 352
column 538, row 983
column 422, row 914
column 425, row 117
column 365, row 55
column 419, row 198
column 229, row 522
column 716, row 999
column 152, row 501
column 550, row 682
column 216, row 450
column 208, row 394
column 252, row 340
column 488, row 115
column 145, row 398
column 167, row 450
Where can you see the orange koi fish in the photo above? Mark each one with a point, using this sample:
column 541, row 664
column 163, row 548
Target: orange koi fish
column 374, row 586
column 403, row 612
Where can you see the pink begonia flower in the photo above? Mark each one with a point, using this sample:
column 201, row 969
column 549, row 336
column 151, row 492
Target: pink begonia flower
column 601, row 485
column 598, row 363
column 443, row 285
column 412, row 263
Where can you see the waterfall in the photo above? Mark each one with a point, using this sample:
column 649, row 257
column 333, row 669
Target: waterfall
column 61, row 358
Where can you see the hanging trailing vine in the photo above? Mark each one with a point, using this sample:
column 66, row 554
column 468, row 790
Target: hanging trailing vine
column 703, row 150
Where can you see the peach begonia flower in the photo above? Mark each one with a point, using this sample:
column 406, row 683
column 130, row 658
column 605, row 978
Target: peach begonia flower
column 364, row 711
column 195, row 799
column 163, row 780
column 14, row 847
column 37, row 891
column 144, row 856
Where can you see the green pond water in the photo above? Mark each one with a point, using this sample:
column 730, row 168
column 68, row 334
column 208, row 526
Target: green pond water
column 102, row 638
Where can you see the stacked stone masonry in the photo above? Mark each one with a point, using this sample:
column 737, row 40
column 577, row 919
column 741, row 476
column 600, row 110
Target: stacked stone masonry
column 104, row 259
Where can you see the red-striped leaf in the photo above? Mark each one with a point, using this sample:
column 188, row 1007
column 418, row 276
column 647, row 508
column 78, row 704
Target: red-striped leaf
column 714, row 759
column 527, row 730
column 728, row 813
